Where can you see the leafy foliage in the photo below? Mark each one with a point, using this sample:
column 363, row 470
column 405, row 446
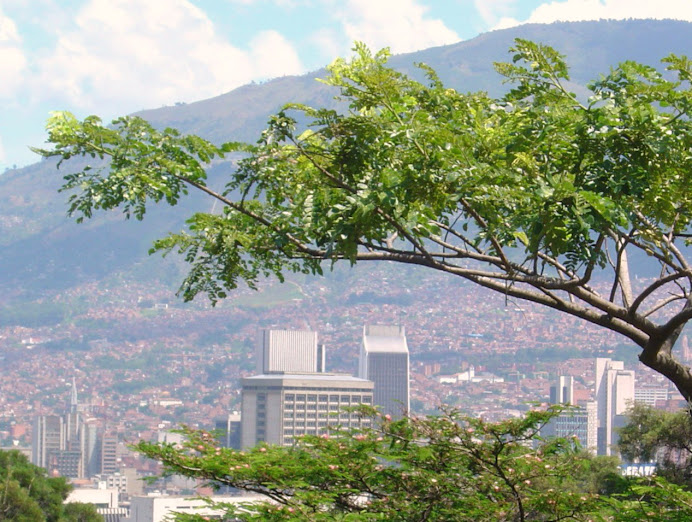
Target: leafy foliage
column 28, row 495
column 445, row 467
column 652, row 435
column 528, row 195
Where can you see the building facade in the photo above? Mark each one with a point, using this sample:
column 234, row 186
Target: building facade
column 577, row 420
column 614, row 395
column 384, row 360
column 289, row 351
column 72, row 445
column 278, row 407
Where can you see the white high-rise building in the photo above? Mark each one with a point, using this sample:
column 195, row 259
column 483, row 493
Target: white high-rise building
column 576, row 421
column 279, row 407
column 289, row 351
column 562, row 392
column 293, row 396
column 614, row 395
column 48, row 437
column 384, row 360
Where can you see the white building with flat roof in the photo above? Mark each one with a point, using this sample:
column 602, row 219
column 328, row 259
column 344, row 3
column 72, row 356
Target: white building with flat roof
column 289, row 351
column 614, row 395
column 278, row 407
column 163, row 508
column 384, row 360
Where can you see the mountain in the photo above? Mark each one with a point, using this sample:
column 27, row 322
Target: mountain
column 41, row 250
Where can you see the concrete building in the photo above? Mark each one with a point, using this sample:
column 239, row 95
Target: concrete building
column 577, row 420
column 562, row 392
column 48, row 436
column 109, row 453
column 280, row 406
column 614, row 394
column 650, row 395
column 384, row 360
column 101, row 497
column 228, row 429
column 289, row 351
column 70, row 444
column 160, row 509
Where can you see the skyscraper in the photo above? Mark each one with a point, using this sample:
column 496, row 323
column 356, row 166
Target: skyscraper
column 278, row 407
column 289, row 351
column 576, row 421
column 614, row 394
column 292, row 395
column 69, row 444
column 48, row 436
column 562, row 392
column 384, row 360
column 228, row 429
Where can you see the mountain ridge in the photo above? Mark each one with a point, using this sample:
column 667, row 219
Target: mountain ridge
column 38, row 242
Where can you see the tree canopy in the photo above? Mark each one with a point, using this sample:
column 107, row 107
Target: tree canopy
column 540, row 194
column 652, row 435
column 27, row 494
column 435, row 468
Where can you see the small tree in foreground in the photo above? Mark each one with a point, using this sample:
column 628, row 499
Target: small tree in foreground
column 532, row 195
column 652, row 435
column 437, row 468
column 28, row 494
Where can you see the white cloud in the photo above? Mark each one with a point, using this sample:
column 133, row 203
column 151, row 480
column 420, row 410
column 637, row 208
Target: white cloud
column 127, row 55
column 328, row 42
column 575, row 10
column 401, row 25
column 12, row 60
column 272, row 52
column 490, row 10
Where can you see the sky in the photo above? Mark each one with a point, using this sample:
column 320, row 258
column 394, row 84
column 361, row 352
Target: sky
column 115, row 57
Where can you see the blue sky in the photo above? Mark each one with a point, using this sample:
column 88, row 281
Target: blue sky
column 112, row 57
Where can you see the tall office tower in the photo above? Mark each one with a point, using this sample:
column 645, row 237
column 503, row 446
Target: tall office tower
column 384, row 361
column 614, row 394
column 562, row 392
column 109, row 453
column 228, row 428
column 67, row 444
column 577, row 421
column 278, row 407
column 289, row 351
column 91, row 449
column 48, row 437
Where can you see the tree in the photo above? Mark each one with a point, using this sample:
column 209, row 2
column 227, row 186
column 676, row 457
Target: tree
column 652, row 435
column 27, row 494
column 80, row 512
column 538, row 195
column 434, row 468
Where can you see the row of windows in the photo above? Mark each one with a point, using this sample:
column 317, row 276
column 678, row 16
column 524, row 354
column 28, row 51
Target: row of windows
column 312, row 408
column 309, row 428
column 302, row 388
column 313, row 415
column 302, row 397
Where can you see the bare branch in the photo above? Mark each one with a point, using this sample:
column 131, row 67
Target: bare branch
column 663, row 302
column 659, row 283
